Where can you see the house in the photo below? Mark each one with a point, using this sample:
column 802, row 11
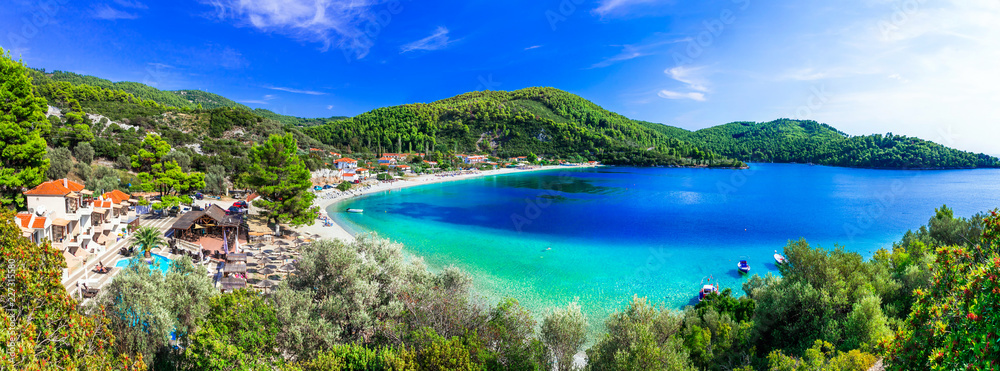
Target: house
column 361, row 173
column 388, row 161
column 349, row 177
column 346, row 163
column 335, row 154
column 403, row 167
column 474, row 159
column 62, row 209
column 33, row 227
column 431, row 163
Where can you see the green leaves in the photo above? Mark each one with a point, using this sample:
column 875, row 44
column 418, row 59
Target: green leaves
column 22, row 123
column 280, row 177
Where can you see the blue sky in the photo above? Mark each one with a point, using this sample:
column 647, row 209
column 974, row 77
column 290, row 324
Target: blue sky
column 916, row 67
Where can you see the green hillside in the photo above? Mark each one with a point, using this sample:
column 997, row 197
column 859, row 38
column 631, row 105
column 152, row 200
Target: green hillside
column 811, row 142
column 544, row 121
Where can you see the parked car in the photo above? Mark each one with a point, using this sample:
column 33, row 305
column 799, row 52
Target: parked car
column 240, row 204
column 197, row 208
column 173, row 211
column 234, row 210
column 199, row 196
column 328, row 186
column 317, row 188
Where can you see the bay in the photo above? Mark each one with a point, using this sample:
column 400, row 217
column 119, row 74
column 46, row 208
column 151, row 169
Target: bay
column 602, row 235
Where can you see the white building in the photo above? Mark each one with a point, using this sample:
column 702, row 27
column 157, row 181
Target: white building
column 346, row 163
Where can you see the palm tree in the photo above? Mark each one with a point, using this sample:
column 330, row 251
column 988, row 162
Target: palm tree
column 147, row 238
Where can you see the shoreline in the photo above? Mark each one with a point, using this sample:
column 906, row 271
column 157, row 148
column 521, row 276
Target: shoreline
column 338, row 231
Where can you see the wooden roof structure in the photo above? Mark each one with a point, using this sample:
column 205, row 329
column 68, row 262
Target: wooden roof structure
column 234, row 268
column 232, row 283
column 213, row 216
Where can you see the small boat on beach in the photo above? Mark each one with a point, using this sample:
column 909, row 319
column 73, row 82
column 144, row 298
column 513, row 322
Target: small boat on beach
column 357, row 211
column 743, row 266
column 778, row 258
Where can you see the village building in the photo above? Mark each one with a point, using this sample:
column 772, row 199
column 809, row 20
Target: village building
column 346, row 163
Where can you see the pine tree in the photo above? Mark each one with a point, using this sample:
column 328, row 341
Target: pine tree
column 282, row 180
column 22, row 124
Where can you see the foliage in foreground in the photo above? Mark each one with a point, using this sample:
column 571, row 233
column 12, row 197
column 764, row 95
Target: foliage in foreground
column 41, row 327
column 954, row 321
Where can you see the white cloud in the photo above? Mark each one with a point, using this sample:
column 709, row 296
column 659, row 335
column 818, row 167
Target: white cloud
column 690, row 76
column 329, row 22
column 533, row 47
column 131, row 4
column 634, row 51
column 609, row 6
column 252, row 101
column 437, row 40
column 329, row 107
column 296, row 91
column 106, row 12
column 676, row 95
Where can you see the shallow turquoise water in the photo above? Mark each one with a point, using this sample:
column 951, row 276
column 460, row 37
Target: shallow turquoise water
column 602, row 235
column 160, row 262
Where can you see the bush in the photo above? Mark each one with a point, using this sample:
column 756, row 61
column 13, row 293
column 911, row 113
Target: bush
column 344, row 186
column 564, row 331
column 60, row 163
column 84, row 153
column 82, row 170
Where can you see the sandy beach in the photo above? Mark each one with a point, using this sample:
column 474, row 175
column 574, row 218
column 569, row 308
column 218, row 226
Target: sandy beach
column 329, row 197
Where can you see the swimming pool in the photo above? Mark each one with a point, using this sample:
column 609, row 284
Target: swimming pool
column 160, row 262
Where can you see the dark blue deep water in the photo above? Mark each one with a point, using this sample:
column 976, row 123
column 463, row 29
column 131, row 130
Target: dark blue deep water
column 601, row 235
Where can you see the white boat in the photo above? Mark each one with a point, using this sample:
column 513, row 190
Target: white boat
column 778, row 258
column 356, row 210
column 705, row 290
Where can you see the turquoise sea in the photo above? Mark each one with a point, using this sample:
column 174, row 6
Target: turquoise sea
column 602, row 235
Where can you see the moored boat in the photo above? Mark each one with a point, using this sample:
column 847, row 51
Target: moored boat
column 705, row 290
column 743, row 266
column 778, row 258
column 356, row 210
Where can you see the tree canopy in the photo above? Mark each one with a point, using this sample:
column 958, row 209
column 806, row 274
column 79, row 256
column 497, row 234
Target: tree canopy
column 278, row 175
column 22, row 125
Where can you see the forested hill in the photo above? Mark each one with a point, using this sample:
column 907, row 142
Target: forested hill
column 811, row 142
column 184, row 99
column 543, row 121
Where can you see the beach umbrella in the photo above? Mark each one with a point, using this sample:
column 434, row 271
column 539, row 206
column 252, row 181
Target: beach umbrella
column 282, row 243
column 266, row 284
column 265, row 261
column 265, row 271
column 287, row 268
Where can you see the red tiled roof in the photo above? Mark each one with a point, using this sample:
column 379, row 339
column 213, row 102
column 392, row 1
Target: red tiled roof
column 24, row 219
column 107, row 204
column 346, row 160
column 349, row 174
column 360, row 169
column 252, row 196
column 58, row 187
column 116, row 196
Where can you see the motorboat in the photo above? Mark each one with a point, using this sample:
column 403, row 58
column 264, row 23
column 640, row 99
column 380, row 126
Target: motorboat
column 357, row 211
column 705, row 290
column 778, row 258
column 743, row 266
